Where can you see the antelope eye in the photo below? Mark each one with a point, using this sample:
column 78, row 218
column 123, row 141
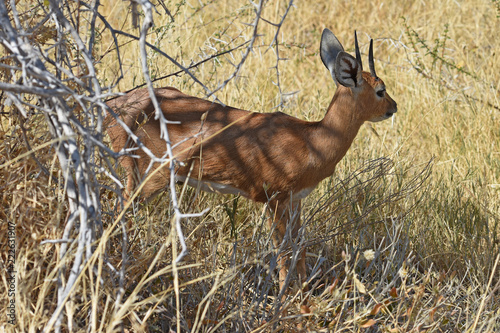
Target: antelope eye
column 381, row 93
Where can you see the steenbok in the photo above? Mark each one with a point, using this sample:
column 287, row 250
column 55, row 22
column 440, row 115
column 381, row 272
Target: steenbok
column 267, row 157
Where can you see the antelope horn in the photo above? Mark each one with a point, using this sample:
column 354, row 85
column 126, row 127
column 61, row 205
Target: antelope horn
column 358, row 55
column 370, row 60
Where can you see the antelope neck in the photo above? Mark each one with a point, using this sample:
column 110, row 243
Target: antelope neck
column 340, row 125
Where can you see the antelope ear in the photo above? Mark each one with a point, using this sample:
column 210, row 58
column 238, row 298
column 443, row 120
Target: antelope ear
column 348, row 70
column 329, row 50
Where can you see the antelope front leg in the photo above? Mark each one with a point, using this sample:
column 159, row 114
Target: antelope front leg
column 286, row 216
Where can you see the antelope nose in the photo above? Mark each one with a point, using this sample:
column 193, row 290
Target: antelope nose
column 393, row 111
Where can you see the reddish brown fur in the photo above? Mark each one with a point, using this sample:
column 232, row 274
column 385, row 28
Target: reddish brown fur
column 263, row 154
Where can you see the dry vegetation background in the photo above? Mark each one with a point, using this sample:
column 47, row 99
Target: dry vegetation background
column 421, row 190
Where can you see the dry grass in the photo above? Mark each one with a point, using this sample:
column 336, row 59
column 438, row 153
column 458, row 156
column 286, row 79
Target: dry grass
column 430, row 211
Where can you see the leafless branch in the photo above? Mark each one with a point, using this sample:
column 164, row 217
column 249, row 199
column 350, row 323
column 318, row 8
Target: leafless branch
column 275, row 42
column 74, row 108
column 254, row 24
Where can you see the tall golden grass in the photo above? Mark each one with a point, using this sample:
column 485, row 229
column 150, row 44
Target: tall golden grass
column 429, row 211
